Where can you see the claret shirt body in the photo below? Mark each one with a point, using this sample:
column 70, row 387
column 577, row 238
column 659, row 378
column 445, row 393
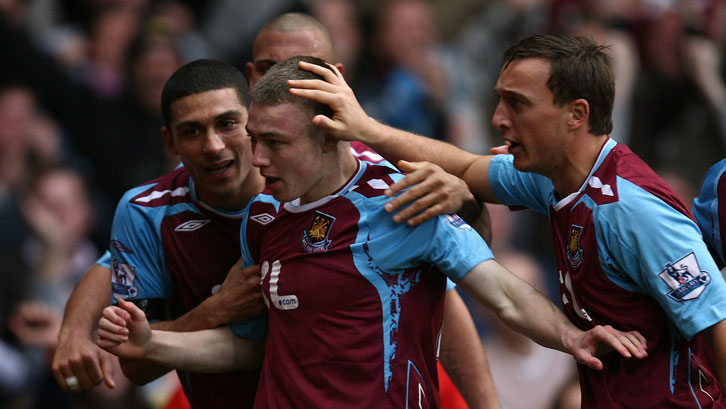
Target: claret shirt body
column 630, row 255
column 355, row 300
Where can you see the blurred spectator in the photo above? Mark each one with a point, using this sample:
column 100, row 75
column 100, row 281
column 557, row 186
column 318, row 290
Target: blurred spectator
column 56, row 212
column 603, row 21
column 110, row 35
column 119, row 137
column 182, row 24
column 569, row 396
column 484, row 38
column 683, row 187
column 48, row 222
column 342, row 19
column 678, row 97
column 415, row 82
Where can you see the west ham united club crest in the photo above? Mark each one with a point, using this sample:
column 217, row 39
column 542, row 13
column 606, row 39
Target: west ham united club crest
column 574, row 251
column 685, row 278
column 315, row 238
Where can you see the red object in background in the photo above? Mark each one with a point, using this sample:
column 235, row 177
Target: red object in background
column 178, row 400
column 450, row 396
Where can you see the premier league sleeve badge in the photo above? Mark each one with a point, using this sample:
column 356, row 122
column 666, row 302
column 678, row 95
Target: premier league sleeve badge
column 685, row 278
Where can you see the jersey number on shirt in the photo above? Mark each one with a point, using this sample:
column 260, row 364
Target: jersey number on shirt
column 281, row 302
column 581, row 312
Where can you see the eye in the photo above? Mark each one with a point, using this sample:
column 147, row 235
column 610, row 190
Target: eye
column 227, row 123
column 189, row 132
column 263, row 66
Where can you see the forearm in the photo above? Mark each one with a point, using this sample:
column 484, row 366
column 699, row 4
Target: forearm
column 395, row 144
column 86, row 303
column 209, row 314
column 463, row 356
column 143, row 371
column 209, row 351
column 519, row 305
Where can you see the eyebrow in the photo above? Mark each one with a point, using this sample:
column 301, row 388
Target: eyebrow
column 225, row 114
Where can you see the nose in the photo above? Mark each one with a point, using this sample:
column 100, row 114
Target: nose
column 259, row 156
column 500, row 119
column 213, row 143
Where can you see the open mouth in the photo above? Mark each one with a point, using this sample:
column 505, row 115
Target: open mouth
column 270, row 181
column 220, row 168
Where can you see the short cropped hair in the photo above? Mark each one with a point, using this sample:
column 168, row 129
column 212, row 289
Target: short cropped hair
column 201, row 76
column 295, row 22
column 579, row 69
column 272, row 88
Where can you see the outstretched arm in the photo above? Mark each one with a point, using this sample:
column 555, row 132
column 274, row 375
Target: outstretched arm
column 462, row 355
column 238, row 299
column 77, row 353
column 125, row 332
column 528, row 311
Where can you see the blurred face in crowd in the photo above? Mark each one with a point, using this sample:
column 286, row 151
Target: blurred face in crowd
column 151, row 69
column 59, row 202
column 207, row 131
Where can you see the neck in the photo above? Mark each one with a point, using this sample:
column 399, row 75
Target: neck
column 580, row 157
column 339, row 167
column 253, row 184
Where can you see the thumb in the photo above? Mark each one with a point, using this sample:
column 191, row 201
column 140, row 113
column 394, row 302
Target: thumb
column 107, row 370
column 406, row 166
column 238, row 264
column 132, row 309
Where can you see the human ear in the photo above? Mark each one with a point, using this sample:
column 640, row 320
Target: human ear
column 579, row 113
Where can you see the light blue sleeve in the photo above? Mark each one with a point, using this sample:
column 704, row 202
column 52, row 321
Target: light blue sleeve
column 105, row 259
column 515, row 188
column 445, row 241
column 705, row 208
column 656, row 246
column 138, row 269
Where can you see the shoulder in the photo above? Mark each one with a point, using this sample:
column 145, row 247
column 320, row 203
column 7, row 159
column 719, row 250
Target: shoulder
column 374, row 180
column 625, row 178
column 170, row 189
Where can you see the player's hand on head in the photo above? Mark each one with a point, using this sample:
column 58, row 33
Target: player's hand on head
column 349, row 120
column 602, row 340
column 240, row 293
column 124, row 330
column 431, row 192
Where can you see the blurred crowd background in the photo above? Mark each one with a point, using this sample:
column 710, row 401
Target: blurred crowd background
column 80, row 83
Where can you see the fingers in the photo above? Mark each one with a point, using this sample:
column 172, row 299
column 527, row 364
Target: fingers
column 499, row 150
column 110, row 332
column 329, row 73
column 107, row 369
column 82, row 364
column 589, row 360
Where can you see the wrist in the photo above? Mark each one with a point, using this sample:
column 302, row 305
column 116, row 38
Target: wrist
column 372, row 132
